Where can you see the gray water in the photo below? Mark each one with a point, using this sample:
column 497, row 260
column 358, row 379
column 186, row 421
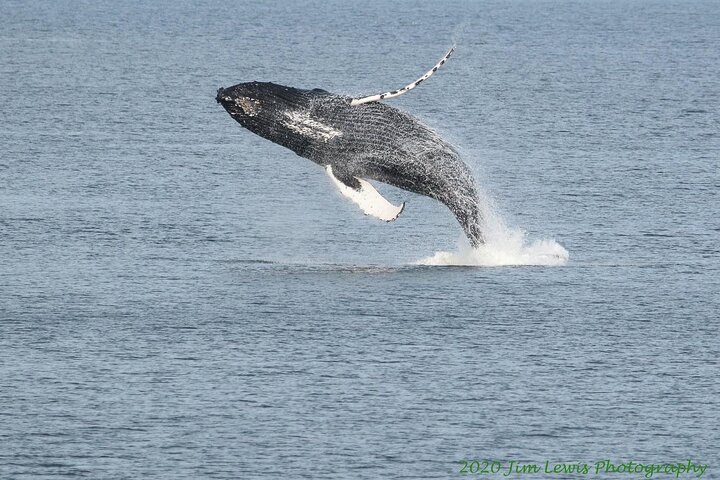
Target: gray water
column 182, row 299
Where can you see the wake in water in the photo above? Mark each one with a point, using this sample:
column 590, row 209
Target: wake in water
column 503, row 246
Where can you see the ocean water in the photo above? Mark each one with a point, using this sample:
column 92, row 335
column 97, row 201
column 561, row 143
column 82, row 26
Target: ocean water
column 182, row 299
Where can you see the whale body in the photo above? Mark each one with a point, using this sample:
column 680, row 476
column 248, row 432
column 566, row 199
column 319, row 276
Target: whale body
column 358, row 141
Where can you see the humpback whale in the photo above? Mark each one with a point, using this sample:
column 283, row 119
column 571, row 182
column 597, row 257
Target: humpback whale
column 361, row 139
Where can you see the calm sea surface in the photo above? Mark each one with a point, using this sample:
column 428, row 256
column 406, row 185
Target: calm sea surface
column 182, row 299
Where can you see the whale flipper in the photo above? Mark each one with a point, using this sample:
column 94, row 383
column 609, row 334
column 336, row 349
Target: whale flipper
column 406, row 88
column 366, row 197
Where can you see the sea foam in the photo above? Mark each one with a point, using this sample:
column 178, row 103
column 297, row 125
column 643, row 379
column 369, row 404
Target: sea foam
column 504, row 245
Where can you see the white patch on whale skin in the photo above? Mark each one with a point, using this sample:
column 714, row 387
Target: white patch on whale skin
column 250, row 106
column 368, row 199
column 303, row 124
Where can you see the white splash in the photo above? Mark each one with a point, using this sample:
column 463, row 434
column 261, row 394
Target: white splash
column 503, row 246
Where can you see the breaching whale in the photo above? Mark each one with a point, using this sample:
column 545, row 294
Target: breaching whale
column 361, row 139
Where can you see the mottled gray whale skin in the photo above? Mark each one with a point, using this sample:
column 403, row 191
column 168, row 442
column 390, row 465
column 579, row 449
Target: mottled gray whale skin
column 370, row 141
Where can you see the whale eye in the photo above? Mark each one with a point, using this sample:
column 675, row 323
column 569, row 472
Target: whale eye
column 249, row 106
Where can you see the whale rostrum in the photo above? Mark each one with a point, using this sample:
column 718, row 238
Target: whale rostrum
column 357, row 140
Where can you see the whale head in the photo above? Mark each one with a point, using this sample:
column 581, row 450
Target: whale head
column 244, row 101
column 278, row 113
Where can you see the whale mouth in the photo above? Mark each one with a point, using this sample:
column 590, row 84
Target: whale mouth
column 220, row 97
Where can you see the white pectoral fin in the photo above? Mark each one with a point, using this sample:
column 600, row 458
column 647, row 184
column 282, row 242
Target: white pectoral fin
column 406, row 88
column 367, row 198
